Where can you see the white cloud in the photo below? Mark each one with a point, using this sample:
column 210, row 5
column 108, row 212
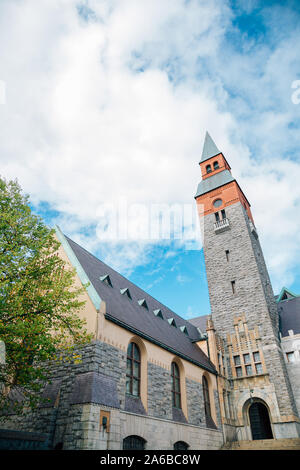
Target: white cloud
column 113, row 105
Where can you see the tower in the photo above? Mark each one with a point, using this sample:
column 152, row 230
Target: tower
column 258, row 400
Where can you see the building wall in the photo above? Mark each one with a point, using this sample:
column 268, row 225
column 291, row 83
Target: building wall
column 76, row 402
column 85, row 432
column 253, row 297
column 291, row 343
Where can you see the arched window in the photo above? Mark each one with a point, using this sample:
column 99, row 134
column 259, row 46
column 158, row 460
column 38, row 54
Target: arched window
column 216, row 165
column 208, row 169
column 133, row 370
column 134, row 443
column 176, row 398
column 206, row 397
column 180, row 445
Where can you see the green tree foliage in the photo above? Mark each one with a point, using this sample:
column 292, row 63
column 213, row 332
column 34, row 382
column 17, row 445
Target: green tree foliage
column 39, row 304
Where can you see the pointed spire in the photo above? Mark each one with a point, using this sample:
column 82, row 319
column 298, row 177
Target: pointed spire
column 209, row 148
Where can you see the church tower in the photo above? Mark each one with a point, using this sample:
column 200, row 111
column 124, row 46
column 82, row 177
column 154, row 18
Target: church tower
column 257, row 397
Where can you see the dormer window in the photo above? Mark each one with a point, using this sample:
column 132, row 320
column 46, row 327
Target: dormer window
column 106, row 280
column 125, row 292
column 143, row 303
column 216, row 165
column 158, row 313
column 171, row 322
column 208, row 169
column 184, row 330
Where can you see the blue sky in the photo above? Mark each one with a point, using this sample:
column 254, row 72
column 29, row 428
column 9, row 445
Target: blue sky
column 108, row 102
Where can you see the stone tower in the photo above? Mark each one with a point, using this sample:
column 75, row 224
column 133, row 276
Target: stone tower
column 244, row 314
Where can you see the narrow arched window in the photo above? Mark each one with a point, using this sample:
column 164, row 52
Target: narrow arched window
column 206, row 397
column 181, row 445
column 216, row 165
column 208, row 169
column 133, row 370
column 176, row 398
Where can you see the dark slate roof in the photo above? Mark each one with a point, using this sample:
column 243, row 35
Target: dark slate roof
column 50, row 393
column 93, row 387
column 214, row 181
column 209, row 148
column 200, row 322
column 129, row 314
column 134, row 405
column 178, row 415
column 289, row 316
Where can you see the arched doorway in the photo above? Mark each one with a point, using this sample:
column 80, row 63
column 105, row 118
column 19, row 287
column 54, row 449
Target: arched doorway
column 260, row 421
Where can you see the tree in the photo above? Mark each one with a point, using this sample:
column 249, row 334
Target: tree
column 39, row 304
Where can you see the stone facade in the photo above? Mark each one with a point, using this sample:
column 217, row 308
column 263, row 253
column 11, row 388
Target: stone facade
column 253, row 304
column 159, row 392
column 72, row 416
column 289, row 344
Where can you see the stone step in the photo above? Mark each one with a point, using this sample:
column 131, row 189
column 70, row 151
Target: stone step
column 264, row 444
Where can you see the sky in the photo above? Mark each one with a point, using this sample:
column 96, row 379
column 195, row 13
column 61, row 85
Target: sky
column 104, row 107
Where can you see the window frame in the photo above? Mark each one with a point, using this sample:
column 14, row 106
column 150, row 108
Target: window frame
column 175, row 374
column 206, row 397
column 132, row 377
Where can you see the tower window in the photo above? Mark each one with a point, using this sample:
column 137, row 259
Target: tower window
column 133, row 370
column 217, row 203
column 249, row 370
column 217, row 216
column 256, row 356
column 247, row 358
column 258, row 365
column 223, row 214
column 176, row 385
column 237, row 360
column 233, row 286
column 216, row 166
column 208, row 169
column 290, row 356
column 227, row 254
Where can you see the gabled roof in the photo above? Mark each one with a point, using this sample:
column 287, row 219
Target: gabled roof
column 285, row 294
column 209, row 148
column 131, row 315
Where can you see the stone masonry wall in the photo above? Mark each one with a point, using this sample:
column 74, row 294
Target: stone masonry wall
column 195, row 403
column 73, row 425
column 253, row 292
column 159, row 392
